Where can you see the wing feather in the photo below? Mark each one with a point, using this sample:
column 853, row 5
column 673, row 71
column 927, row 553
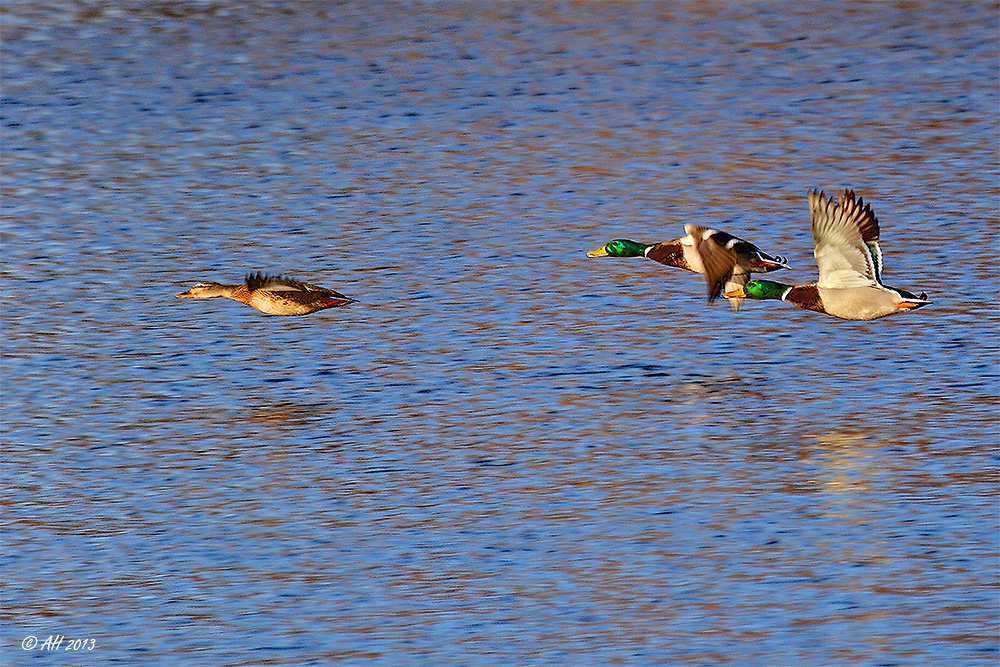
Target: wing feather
column 262, row 281
column 718, row 259
column 845, row 235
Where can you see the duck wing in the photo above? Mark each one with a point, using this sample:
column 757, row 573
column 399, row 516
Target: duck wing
column 845, row 237
column 262, row 281
column 869, row 232
column 717, row 259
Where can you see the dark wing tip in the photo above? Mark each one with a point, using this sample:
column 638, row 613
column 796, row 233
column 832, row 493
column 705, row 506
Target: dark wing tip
column 865, row 216
column 260, row 280
column 255, row 280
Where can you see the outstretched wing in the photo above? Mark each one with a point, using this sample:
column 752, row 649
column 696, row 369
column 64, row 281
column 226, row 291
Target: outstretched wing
column 717, row 257
column 845, row 237
column 262, row 281
column 869, row 230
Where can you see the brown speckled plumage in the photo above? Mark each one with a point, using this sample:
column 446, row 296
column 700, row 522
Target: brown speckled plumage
column 273, row 295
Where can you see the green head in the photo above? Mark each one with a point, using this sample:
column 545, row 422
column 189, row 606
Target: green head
column 764, row 289
column 620, row 248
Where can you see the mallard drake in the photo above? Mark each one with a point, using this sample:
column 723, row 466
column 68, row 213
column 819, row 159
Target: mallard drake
column 725, row 260
column 845, row 235
column 272, row 295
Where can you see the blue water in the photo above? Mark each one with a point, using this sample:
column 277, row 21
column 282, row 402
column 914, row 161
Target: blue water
column 506, row 452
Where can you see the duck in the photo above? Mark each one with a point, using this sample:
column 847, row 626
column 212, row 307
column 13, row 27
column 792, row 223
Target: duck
column 273, row 295
column 725, row 260
column 845, row 236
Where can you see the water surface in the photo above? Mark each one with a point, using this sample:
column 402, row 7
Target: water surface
column 506, row 452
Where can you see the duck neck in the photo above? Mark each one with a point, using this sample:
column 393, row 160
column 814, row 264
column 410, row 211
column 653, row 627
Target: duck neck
column 769, row 289
column 626, row 248
column 236, row 292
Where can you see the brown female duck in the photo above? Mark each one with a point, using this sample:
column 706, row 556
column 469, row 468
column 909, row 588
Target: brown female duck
column 272, row 295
